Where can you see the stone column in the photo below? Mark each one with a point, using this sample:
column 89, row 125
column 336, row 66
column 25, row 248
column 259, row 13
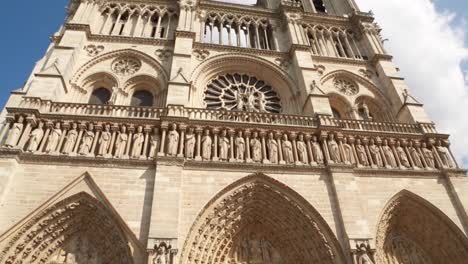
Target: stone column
column 131, row 129
column 308, row 137
column 65, row 128
column 31, row 121
column 199, row 132
column 144, row 154
column 98, row 129
column 231, row 141
column 280, row 148
column 49, row 126
column 264, row 150
column 247, row 145
column 215, row 141
column 293, row 137
column 182, row 129
column 162, row 149
column 114, row 130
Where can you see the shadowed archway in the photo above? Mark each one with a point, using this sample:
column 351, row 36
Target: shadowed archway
column 258, row 220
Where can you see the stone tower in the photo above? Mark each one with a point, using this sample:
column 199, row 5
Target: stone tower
column 206, row 132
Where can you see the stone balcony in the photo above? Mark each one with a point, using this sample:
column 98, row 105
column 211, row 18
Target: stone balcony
column 70, row 131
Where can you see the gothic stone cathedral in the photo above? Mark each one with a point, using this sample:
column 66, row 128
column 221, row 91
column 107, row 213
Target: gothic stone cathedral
column 206, row 132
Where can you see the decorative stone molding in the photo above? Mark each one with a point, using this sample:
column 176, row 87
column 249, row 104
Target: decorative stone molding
column 201, row 54
column 94, row 50
column 126, row 66
column 164, row 54
column 345, row 86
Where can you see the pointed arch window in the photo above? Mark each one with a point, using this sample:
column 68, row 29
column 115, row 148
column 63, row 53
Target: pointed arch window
column 100, row 96
column 142, row 99
column 336, row 113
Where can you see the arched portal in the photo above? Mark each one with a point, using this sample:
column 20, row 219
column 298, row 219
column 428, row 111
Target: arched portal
column 78, row 230
column 260, row 221
column 413, row 231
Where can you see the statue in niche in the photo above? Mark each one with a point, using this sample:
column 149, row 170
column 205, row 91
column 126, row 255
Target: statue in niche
column 415, row 155
column 207, row 145
column 361, row 153
column 272, row 149
column 35, row 138
column 190, row 141
column 113, row 99
column 138, row 141
column 104, row 141
column 121, row 142
column 334, row 149
column 256, row 148
column 364, row 112
column 445, row 156
column 223, row 146
column 428, row 156
column 262, row 102
column 72, row 136
column 15, row 133
column 162, row 254
column 239, row 100
column 375, row 154
column 317, row 151
column 240, row 147
column 287, row 150
column 402, row 155
column 387, row 151
column 251, row 100
column 87, row 143
column 54, row 139
column 154, row 143
column 173, row 141
column 363, row 256
column 302, row 150
column 348, row 155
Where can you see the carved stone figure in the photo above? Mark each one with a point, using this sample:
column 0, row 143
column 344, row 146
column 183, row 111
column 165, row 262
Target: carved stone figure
column 240, row 147
column 428, row 156
column 363, row 256
column 72, row 136
column 302, row 150
column 35, row 138
column 361, row 153
column 256, row 146
column 415, row 155
column 207, row 145
column 138, row 141
column 287, row 150
column 154, row 143
column 87, row 142
column 104, row 141
column 121, row 143
column 115, row 93
column 348, row 155
column 364, row 111
column 317, row 150
column 173, row 141
column 375, row 154
column 402, row 155
column 272, row 149
column 162, row 254
column 54, row 139
column 388, row 153
column 445, row 156
column 15, row 133
column 334, row 149
column 224, row 146
column 190, row 141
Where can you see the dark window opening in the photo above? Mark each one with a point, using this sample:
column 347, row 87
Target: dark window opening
column 319, row 6
column 100, row 96
column 142, row 98
column 336, row 114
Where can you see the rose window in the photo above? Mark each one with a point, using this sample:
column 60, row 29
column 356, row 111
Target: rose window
column 346, row 87
column 126, row 66
column 241, row 93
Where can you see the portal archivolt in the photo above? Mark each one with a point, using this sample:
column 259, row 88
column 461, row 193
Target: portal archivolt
column 412, row 231
column 260, row 221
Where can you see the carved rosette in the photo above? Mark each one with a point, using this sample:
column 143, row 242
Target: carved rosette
column 346, row 87
column 126, row 66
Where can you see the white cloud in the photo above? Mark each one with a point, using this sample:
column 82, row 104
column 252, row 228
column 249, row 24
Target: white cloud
column 429, row 50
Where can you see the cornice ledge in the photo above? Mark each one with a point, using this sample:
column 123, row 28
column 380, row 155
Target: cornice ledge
column 185, row 34
column 223, row 6
column 224, row 48
column 397, row 173
column 340, row 60
column 243, row 166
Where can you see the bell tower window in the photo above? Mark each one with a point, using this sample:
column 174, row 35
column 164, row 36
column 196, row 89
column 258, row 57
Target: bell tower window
column 100, row 96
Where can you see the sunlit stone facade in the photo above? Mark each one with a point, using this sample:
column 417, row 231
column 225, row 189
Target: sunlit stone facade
column 200, row 132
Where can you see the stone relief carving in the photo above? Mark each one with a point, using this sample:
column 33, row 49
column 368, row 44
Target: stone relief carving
column 415, row 156
column 201, row 55
column 240, row 147
column 163, row 54
column 154, row 143
column 272, row 149
column 375, row 154
column 256, row 148
column 94, row 50
column 121, row 142
column 404, row 161
column 403, row 250
column 15, row 133
column 224, row 146
column 256, row 249
column 361, row 153
column 428, row 156
column 283, row 63
column 334, row 149
column 71, row 139
column 302, row 150
column 190, row 142
column 173, row 141
column 241, row 93
column 346, row 87
column 364, row 254
column 319, row 68
column 389, row 156
column 207, row 146
column 162, row 254
column 317, row 151
column 348, row 155
column 126, row 66
column 445, row 155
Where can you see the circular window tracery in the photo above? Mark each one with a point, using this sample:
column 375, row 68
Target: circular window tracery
column 346, row 87
column 241, row 92
column 126, row 66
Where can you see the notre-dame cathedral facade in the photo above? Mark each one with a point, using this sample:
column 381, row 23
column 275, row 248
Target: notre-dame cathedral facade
column 207, row 132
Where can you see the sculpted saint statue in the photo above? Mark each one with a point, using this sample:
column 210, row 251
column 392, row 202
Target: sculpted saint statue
column 375, row 154
column 302, row 150
column 15, row 133
column 154, row 143
column 272, row 149
column 87, row 143
column 121, row 142
column 190, row 141
column 262, row 102
column 173, row 141
column 334, row 149
column 162, row 254
column 104, row 141
column 54, row 139
column 35, row 138
column 256, row 148
column 223, row 146
column 138, row 141
column 348, row 152
column 428, row 156
column 207, row 146
column 445, row 155
column 240, row 147
column 287, row 150
column 415, row 155
column 72, row 136
column 391, row 161
column 402, row 155
column 363, row 255
column 361, row 153
column 317, row 151
column 113, row 99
